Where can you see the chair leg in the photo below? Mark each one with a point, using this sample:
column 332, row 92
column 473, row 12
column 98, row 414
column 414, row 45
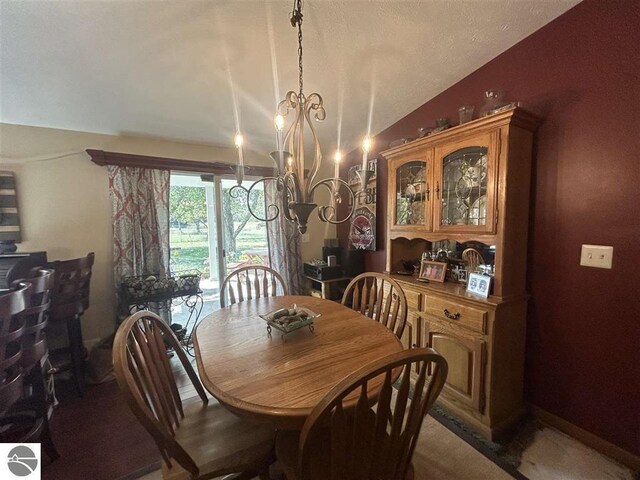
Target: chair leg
column 42, row 407
column 47, row 442
column 76, row 348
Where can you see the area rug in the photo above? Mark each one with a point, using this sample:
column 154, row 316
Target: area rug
column 98, row 437
column 505, row 455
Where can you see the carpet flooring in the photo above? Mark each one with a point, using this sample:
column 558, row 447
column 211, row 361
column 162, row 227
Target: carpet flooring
column 98, row 438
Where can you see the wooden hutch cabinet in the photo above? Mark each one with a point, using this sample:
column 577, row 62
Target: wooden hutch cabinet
column 468, row 185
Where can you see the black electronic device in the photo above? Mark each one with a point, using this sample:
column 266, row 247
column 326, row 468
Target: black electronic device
column 322, row 271
column 336, row 251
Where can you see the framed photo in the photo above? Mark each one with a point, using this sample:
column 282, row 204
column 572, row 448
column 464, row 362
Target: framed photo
column 433, row 271
column 463, row 276
column 479, row 284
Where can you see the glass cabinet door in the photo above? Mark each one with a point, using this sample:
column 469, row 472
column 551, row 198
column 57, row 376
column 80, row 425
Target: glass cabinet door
column 465, row 190
column 411, row 193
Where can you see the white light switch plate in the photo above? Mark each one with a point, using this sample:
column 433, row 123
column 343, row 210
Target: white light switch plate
column 305, row 238
column 598, row 256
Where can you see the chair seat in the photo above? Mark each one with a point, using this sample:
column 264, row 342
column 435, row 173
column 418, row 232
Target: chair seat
column 287, row 443
column 219, row 442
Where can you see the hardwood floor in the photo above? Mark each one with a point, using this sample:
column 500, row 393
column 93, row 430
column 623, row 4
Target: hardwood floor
column 99, row 438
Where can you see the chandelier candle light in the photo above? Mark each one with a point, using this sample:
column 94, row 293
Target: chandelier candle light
column 296, row 190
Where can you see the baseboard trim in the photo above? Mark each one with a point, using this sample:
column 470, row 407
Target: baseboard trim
column 603, row 446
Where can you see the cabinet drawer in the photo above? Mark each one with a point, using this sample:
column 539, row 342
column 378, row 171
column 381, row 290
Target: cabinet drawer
column 414, row 299
column 469, row 317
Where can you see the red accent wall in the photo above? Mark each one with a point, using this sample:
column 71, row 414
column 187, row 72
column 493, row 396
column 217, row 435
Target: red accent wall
column 581, row 74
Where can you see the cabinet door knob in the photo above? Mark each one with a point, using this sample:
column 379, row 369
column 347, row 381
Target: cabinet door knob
column 438, row 190
column 452, row 316
column 428, row 191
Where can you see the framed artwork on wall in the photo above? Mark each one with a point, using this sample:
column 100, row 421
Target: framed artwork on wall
column 362, row 233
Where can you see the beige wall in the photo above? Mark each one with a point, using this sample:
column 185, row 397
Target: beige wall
column 64, row 202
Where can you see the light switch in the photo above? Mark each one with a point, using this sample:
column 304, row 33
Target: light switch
column 598, row 256
column 305, row 238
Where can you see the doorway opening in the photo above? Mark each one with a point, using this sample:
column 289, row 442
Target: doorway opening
column 212, row 231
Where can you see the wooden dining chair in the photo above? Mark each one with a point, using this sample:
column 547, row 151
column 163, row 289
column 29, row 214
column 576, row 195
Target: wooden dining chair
column 239, row 285
column 472, row 258
column 69, row 300
column 30, row 422
column 345, row 439
column 379, row 297
column 197, row 439
column 11, row 330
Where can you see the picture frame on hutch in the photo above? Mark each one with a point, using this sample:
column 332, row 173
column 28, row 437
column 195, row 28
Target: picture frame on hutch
column 479, row 284
column 433, row 271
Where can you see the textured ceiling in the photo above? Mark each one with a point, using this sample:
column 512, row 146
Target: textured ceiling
column 185, row 69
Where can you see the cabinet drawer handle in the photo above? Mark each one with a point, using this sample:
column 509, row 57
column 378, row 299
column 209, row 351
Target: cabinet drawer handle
column 452, row 316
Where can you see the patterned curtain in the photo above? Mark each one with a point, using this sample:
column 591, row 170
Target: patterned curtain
column 285, row 245
column 140, row 213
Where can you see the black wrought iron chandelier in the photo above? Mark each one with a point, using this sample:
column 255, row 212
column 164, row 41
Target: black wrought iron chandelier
column 296, row 189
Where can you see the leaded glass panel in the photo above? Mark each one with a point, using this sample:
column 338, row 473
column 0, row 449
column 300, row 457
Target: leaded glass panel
column 411, row 192
column 464, row 187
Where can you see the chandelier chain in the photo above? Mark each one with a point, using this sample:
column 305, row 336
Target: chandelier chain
column 296, row 20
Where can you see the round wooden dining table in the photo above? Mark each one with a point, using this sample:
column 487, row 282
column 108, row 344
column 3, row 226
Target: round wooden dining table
column 276, row 381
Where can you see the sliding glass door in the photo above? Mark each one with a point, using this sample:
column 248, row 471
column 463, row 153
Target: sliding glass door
column 212, row 231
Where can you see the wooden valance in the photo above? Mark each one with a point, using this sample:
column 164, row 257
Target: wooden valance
column 102, row 158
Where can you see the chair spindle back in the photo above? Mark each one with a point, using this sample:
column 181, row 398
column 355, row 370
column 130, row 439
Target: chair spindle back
column 250, row 282
column 145, row 376
column 379, row 297
column 378, row 443
column 472, row 258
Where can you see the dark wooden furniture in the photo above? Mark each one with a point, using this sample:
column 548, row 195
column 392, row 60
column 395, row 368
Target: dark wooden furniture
column 30, row 422
column 332, row 289
column 70, row 299
column 239, row 284
column 197, row 440
column 379, row 297
column 102, row 158
column 276, row 382
column 374, row 444
column 11, row 329
column 468, row 187
column 14, row 266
